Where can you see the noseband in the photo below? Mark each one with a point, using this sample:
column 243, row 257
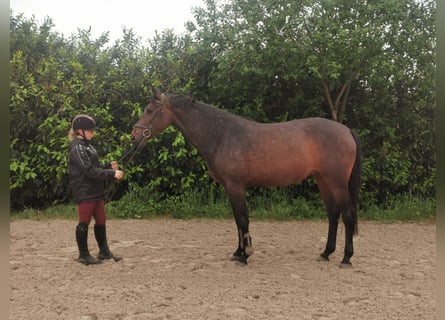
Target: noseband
column 147, row 130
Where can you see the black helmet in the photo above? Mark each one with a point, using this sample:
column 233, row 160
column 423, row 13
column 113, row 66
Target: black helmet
column 83, row 122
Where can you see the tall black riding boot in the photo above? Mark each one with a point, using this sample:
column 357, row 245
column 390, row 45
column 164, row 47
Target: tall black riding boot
column 82, row 243
column 100, row 231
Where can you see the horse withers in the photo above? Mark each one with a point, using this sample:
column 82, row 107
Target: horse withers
column 242, row 153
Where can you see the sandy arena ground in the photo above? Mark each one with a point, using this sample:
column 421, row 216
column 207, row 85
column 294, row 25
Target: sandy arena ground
column 176, row 269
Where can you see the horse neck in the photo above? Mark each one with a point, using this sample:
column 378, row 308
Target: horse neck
column 197, row 122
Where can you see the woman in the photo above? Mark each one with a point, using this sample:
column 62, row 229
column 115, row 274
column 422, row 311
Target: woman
column 87, row 178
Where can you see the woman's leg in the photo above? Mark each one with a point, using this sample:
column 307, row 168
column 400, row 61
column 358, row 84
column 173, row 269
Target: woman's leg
column 85, row 211
column 100, row 233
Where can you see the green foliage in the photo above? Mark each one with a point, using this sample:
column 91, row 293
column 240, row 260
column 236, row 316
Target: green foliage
column 368, row 65
column 52, row 80
column 136, row 204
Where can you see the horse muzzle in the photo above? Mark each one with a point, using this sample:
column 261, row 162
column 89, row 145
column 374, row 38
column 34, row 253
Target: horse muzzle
column 140, row 134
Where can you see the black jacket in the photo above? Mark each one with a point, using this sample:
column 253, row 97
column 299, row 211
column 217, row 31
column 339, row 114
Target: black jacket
column 86, row 174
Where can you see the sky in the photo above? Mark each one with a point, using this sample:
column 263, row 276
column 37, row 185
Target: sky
column 143, row 16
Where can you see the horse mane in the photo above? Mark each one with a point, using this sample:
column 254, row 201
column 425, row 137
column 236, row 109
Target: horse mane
column 187, row 102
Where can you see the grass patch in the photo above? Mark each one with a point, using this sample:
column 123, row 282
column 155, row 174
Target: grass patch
column 275, row 204
column 193, row 205
column 278, row 205
column 143, row 204
column 402, row 208
column 62, row 211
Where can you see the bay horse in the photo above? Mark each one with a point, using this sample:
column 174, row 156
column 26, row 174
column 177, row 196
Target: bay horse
column 241, row 153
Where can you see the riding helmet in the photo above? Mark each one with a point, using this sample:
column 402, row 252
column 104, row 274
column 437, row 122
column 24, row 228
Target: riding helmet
column 83, row 122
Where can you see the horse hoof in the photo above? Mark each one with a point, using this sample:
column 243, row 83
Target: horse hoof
column 344, row 265
column 239, row 260
column 241, row 263
column 322, row 259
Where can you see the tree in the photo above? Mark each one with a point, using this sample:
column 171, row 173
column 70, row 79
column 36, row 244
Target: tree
column 369, row 64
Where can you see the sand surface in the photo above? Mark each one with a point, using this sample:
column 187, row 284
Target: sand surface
column 181, row 269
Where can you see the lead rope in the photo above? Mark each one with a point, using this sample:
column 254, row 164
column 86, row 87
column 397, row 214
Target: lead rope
column 115, row 184
column 145, row 135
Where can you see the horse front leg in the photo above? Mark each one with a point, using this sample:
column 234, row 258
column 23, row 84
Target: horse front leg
column 245, row 248
column 237, row 198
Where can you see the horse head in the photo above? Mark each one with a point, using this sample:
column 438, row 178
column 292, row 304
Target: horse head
column 153, row 120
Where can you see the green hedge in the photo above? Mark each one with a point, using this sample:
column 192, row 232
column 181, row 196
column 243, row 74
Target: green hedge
column 383, row 87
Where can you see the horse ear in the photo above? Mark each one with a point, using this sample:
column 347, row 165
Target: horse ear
column 157, row 93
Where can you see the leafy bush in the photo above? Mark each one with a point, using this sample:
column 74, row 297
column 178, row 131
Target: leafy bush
column 375, row 75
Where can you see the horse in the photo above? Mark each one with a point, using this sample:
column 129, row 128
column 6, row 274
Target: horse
column 241, row 153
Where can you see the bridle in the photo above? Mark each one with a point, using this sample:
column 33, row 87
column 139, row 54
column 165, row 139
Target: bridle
column 147, row 129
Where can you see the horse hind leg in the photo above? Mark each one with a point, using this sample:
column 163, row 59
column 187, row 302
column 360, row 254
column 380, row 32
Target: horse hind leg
column 349, row 216
column 333, row 216
column 333, row 212
column 338, row 201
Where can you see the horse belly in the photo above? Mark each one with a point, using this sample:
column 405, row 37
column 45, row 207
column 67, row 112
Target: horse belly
column 258, row 171
column 277, row 173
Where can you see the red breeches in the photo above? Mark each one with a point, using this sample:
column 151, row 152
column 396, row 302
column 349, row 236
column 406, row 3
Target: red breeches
column 89, row 209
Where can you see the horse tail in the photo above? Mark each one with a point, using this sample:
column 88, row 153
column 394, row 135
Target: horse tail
column 355, row 179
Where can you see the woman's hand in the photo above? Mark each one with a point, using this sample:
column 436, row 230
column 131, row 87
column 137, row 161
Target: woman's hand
column 118, row 174
column 114, row 165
